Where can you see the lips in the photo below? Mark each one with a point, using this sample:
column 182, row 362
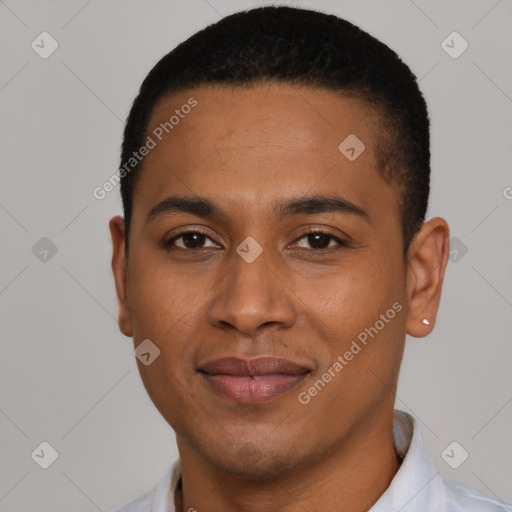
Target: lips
column 252, row 380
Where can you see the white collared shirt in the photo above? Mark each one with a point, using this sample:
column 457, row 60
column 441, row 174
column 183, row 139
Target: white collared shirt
column 416, row 487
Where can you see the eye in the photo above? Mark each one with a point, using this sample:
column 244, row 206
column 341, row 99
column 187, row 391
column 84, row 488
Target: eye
column 197, row 240
column 319, row 240
column 189, row 240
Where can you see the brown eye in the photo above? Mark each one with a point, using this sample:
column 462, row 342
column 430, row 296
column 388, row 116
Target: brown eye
column 318, row 240
column 189, row 240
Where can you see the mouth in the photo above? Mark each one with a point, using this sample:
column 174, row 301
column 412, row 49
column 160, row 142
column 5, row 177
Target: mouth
column 250, row 381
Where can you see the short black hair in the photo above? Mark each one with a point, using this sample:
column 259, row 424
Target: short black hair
column 300, row 47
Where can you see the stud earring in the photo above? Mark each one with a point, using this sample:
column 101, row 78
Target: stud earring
column 425, row 322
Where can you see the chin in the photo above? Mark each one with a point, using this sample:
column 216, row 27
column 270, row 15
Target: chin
column 255, row 462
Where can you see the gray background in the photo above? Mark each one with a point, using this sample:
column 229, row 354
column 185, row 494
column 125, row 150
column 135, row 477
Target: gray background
column 68, row 376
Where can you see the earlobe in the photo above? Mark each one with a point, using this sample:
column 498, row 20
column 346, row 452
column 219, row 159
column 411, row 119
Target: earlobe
column 428, row 257
column 120, row 271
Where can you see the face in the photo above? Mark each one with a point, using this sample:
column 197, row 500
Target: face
column 277, row 295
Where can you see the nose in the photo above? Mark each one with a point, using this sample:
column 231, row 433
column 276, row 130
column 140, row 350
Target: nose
column 251, row 296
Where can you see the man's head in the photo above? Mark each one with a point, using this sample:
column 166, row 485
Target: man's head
column 254, row 235
column 300, row 48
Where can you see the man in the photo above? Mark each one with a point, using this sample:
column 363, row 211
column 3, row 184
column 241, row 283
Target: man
column 272, row 257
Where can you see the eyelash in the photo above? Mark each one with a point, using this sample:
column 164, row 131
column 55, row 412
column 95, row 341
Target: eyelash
column 169, row 244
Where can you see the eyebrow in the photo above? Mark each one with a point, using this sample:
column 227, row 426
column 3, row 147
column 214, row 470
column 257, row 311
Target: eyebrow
column 208, row 209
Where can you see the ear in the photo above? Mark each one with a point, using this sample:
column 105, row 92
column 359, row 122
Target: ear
column 428, row 257
column 120, row 270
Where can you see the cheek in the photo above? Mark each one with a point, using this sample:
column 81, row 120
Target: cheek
column 350, row 298
column 161, row 300
column 164, row 310
column 345, row 310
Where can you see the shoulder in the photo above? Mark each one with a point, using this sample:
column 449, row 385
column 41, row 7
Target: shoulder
column 460, row 498
column 143, row 503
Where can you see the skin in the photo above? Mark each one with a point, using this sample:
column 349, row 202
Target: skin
column 248, row 150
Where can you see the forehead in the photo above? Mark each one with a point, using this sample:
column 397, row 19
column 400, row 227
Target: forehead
column 261, row 142
column 304, row 117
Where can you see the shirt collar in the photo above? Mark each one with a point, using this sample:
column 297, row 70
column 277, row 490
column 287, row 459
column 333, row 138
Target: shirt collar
column 416, row 487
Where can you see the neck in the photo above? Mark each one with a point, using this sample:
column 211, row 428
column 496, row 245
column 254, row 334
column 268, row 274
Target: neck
column 351, row 477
